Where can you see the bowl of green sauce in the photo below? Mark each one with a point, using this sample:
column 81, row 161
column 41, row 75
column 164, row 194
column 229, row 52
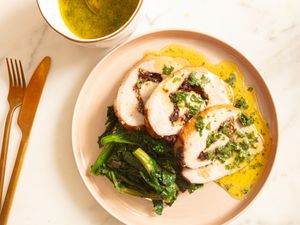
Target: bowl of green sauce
column 92, row 23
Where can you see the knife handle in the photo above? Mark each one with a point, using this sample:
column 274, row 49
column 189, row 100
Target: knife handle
column 4, row 149
column 13, row 181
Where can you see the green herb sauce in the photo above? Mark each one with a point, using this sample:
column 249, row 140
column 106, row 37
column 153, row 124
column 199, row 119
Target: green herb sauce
column 86, row 24
column 242, row 182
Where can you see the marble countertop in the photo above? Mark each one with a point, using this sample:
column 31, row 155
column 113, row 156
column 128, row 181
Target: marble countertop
column 50, row 189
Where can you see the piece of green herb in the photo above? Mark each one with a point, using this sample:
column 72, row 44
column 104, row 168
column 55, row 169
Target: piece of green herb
column 208, row 126
column 194, row 109
column 245, row 191
column 194, row 81
column 179, row 97
column 251, row 135
column 228, row 186
column 238, row 150
column 246, row 120
column 203, row 81
column 225, row 152
column 212, row 138
column 231, row 80
column 243, row 145
column 175, row 79
column 211, row 154
column 192, row 78
column 197, row 99
column 253, row 140
column 241, row 103
column 227, row 128
column 168, row 70
column 139, row 84
column 200, row 124
column 230, row 166
column 256, row 165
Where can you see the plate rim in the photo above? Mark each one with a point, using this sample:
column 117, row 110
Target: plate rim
column 267, row 173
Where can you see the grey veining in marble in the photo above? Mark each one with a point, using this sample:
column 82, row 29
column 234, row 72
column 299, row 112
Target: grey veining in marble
column 266, row 32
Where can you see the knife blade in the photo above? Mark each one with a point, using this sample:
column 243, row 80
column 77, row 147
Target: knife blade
column 32, row 96
column 25, row 120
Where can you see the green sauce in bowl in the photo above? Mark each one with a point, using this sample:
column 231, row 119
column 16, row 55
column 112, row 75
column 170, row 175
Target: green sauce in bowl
column 107, row 17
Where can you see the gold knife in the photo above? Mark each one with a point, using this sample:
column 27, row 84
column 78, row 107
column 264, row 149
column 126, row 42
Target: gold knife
column 25, row 121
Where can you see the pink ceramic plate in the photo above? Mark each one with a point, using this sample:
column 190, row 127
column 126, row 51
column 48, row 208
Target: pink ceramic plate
column 210, row 205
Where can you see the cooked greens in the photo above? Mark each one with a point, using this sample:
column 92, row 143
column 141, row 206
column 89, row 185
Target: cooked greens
column 139, row 165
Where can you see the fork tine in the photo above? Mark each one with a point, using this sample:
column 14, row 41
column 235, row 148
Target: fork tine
column 13, row 71
column 18, row 74
column 9, row 73
column 22, row 74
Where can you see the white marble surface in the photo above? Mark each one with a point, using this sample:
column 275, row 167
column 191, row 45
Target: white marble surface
column 50, row 190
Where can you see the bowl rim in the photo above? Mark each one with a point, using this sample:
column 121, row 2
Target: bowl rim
column 260, row 186
column 94, row 40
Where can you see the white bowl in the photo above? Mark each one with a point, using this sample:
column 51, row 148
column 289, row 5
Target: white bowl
column 51, row 13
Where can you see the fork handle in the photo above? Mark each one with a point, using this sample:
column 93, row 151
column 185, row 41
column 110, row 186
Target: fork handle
column 5, row 143
column 13, row 181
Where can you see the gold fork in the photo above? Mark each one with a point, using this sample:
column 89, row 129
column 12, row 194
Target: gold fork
column 17, row 87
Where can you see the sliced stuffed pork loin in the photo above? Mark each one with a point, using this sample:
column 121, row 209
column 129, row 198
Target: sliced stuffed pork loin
column 139, row 83
column 181, row 96
column 217, row 142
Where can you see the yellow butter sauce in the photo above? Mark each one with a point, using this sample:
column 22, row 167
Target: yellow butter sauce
column 84, row 23
column 239, row 184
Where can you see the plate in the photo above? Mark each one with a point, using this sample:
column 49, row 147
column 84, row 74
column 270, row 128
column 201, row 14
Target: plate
column 210, row 205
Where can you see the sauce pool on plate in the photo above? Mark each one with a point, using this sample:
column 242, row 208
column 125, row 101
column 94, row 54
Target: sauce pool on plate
column 239, row 184
column 100, row 18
